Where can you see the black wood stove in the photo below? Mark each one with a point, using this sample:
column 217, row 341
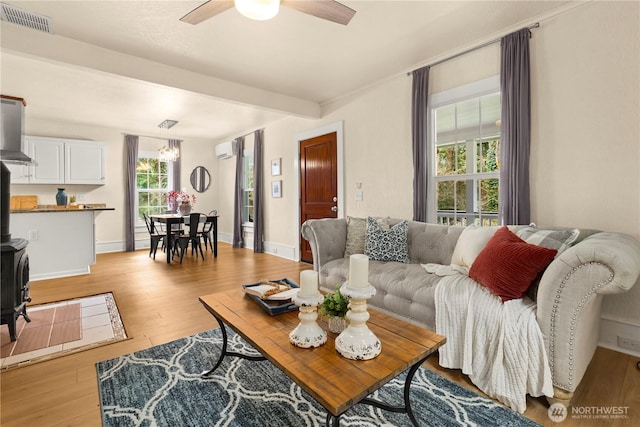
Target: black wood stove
column 14, row 291
column 14, row 271
column 14, row 268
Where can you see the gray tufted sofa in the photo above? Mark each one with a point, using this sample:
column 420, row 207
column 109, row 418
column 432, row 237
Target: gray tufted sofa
column 569, row 295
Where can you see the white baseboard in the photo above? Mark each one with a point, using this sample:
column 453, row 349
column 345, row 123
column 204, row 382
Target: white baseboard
column 276, row 249
column 281, row 251
column 107, row 247
column 225, row 237
column 59, row 274
column 611, row 329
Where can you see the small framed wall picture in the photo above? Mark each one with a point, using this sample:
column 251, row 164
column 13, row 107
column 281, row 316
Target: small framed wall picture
column 276, row 189
column 275, row 167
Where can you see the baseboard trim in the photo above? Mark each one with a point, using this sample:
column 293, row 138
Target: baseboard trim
column 107, row 247
column 282, row 251
column 225, row 237
column 59, row 274
column 611, row 329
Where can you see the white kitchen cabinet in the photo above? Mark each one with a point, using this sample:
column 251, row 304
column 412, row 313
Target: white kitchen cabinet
column 84, row 162
column 19, row 173
column 48, row 156
column 61, row 161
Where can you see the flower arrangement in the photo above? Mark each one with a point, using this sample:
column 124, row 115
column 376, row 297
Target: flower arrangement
column 335, row 304
column 175, row 197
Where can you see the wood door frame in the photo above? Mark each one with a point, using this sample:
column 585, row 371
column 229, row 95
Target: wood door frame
column 338, row 128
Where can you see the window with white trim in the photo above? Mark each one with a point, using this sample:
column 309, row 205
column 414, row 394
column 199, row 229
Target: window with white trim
column 152, row 184
column 465, row 151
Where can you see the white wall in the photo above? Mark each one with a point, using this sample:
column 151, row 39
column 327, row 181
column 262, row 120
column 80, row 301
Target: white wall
column 586, row 131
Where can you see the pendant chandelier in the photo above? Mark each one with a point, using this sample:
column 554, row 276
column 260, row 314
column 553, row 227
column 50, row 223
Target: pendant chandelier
column 168, row 154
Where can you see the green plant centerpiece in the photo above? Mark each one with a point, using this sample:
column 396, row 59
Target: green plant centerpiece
column 335, row 307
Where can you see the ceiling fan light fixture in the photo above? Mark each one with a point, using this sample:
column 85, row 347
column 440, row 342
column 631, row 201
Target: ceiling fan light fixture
column 260, row 10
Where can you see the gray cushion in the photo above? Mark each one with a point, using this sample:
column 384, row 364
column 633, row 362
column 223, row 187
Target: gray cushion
column 405, row 290
column 559, row 240
column 356, row 232
column 431, row 243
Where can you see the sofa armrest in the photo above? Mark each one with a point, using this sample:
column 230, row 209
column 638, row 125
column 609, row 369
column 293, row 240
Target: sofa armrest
column 327, row 238
column 570, row 297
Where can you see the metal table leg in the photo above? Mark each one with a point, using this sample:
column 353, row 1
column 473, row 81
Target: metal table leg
column 224, row 351
column 332, row 420
column 406, row 409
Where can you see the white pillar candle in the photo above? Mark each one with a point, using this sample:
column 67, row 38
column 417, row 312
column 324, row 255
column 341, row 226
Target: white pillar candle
column 308, row 283
column 358, row 271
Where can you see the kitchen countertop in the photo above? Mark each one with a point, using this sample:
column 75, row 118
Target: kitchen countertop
column 55, row 208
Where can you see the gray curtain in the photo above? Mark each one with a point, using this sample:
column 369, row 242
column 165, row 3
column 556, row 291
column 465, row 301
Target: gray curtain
column 176, row 143
column 131, row 162
column 258, row 192
column 238, row 202
column 515, row 129
column 419, row 122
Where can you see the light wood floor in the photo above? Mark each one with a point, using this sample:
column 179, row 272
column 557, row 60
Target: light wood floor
column 159, row 303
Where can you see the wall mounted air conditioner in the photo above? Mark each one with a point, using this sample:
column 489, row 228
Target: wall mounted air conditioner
column 226, row 150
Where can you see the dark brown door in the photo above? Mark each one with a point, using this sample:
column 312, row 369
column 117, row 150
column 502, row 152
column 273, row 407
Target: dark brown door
column 318, row 183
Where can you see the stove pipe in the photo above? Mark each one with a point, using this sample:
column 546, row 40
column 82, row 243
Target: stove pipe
column 5, row 200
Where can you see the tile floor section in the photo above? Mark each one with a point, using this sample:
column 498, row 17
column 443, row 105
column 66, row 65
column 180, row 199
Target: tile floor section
column 86, row 322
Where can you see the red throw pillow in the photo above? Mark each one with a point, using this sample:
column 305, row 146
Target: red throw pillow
column 508, row 265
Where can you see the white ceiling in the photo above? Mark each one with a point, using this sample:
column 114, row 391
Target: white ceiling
column 131, row 64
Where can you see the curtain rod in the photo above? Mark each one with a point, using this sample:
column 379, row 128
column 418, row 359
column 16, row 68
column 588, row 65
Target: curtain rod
column 149, row 136
column 248, row 133
column 536, row 25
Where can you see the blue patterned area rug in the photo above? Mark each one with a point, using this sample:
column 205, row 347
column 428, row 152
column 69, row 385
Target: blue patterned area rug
column 162, row 386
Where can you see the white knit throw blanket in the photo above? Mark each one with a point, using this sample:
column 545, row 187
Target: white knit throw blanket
column 499, row 346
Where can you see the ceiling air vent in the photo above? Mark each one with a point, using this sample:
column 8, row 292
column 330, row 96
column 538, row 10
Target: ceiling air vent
column 26, row 19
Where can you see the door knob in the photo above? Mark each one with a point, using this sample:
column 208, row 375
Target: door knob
column 335, row 199
column 334, row 209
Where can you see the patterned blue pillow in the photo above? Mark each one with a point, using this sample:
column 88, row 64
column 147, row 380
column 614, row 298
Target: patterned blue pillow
column 387, row 245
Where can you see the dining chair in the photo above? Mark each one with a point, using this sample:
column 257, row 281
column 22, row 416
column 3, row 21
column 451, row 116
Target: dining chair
column 205, row 231
column 193, row 237
column 155, row 235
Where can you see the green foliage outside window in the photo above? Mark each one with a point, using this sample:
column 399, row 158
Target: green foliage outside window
column 452, row 160
column 466, row 138
column 152, row 183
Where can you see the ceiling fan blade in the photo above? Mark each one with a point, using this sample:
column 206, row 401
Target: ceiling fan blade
column 324, row 9
column 206, row 11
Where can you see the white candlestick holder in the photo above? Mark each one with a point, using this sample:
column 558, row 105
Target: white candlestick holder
column 308, row 333
column 357, row 342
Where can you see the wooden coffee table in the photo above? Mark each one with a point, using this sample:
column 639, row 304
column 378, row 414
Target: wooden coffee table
column 335, row 382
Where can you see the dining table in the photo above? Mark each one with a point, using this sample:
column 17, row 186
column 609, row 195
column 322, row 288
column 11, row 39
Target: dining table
column 172, row 219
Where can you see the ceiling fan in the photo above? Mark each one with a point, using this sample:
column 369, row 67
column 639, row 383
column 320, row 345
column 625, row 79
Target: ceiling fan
column 266, row 9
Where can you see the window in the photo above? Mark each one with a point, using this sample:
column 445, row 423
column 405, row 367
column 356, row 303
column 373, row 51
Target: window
column 465, row 148
column 247, row 215
column 152, row 184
